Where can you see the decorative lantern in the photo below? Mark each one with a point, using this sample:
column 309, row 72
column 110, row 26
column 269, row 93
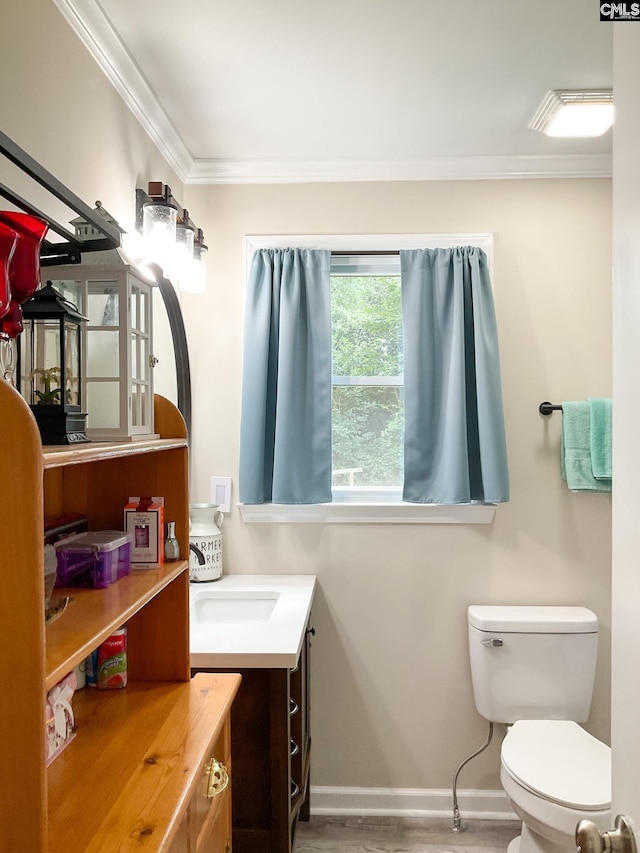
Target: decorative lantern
column 50, row 366
column 117, row 338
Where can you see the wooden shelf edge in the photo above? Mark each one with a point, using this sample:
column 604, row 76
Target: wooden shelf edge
column 97, row 451
column 93, row 614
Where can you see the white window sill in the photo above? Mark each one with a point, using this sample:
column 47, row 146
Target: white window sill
column 367, row 513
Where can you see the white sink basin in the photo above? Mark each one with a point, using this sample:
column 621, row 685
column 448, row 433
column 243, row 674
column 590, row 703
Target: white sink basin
column 249, row 621
column 217, row 606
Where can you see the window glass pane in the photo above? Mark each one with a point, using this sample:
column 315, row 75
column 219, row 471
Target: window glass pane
column 103, row 353
column 367, row 435
column 71, row 370
column 102, row 303
column 366, row 325
column 103, row 405
column 43, row 358
column 144, row 406
column 145, row 367
column 135, row 405
column 71, row 290
column 135, row 322
column 367, row 394
column 135, row 356
column 144, row 312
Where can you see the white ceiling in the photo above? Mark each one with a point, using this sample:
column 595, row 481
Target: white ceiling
column 272, row 90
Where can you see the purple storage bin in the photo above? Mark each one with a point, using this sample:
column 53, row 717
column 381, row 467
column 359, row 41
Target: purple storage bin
column 97, row 558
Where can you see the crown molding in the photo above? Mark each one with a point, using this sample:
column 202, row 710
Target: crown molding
column 427, row 169
column 95, row 31
column 90, row 23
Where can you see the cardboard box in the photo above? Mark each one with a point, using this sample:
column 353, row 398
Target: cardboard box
column 144, row 520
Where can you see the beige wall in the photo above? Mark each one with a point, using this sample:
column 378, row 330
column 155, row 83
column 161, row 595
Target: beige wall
column 56, row 103
column 392, row 700
column 58, row 106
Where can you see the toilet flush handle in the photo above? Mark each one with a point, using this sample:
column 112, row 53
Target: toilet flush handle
column 492, row 643
column 589, row 839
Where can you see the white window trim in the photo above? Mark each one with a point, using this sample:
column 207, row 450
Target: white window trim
column 367, row 506
column 368, row 513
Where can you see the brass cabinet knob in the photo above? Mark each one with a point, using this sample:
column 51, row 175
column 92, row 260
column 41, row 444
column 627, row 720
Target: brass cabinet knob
column 217, row 777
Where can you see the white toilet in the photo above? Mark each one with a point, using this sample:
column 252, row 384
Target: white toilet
column 533, row 668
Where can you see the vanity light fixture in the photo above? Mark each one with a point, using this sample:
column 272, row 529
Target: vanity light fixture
column 170, row 238
column 159, row 227
column 574, row 113
column 196, row 281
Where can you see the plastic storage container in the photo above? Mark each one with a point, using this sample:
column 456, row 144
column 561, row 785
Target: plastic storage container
column 50, row 573
column 97, row 558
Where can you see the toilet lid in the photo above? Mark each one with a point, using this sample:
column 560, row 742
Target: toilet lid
column 559, row 761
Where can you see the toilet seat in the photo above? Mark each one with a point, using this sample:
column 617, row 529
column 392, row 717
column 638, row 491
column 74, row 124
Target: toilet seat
column 559, row 761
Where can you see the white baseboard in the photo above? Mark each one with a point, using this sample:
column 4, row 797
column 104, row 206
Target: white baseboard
column 410, row 802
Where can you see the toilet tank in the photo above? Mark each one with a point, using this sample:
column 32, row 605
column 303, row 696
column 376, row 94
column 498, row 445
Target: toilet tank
column 532, row 663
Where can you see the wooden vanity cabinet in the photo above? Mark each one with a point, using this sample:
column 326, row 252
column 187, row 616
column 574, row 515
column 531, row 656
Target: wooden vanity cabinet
column 129, row 779
column 271, row 746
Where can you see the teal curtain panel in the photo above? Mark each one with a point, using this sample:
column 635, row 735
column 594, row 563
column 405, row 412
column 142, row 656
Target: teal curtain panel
column 285, row 441
column 455, row 448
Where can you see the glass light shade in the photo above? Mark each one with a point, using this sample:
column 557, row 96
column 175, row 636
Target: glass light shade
column 183, row 256
column 159, row 233
column 196, row 281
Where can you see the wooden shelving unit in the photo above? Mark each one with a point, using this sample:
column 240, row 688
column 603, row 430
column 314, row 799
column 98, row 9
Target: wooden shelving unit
column 132, row 777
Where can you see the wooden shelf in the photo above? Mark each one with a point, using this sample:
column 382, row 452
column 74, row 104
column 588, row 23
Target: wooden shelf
column 55, row 456
column 129, row 778
column 122, row 781
column 93, row 614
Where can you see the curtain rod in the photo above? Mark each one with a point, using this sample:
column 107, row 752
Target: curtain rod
column 347, row 253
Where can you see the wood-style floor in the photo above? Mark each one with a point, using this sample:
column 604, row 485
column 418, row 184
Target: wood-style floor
column 402, row 835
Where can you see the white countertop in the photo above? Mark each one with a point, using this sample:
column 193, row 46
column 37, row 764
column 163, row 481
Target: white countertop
column 250, row 639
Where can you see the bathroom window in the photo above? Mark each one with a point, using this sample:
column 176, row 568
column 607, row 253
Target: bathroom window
column 367, row 384
column 367, row 378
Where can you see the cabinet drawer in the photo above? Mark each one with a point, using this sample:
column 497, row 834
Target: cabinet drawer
column 210, row 807
column 180, row 843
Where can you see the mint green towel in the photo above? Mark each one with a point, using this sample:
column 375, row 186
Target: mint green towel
column 575, row 452
column 600, row 426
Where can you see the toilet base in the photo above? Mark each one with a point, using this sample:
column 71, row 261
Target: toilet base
column 531, row 842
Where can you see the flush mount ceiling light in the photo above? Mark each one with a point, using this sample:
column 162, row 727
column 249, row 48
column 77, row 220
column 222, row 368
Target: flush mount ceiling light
column 574, row 112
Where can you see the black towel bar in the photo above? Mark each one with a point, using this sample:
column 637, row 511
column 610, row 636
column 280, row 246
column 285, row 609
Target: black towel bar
column 548, row 408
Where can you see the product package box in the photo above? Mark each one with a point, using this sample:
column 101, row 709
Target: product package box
column 144, row 520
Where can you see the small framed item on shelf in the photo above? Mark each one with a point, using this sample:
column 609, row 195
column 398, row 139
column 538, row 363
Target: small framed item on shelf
column 144, row 520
